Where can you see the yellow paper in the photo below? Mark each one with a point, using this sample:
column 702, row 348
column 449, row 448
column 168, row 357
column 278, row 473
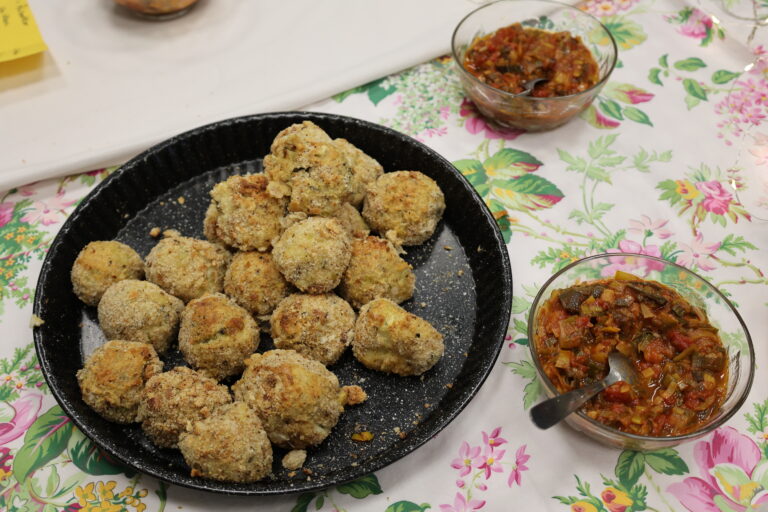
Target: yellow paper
column 19, row 35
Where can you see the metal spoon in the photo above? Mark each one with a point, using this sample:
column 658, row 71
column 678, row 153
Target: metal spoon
column 529, row 85
column 550, row 412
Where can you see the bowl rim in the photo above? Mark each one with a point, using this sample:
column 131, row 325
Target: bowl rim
column 599, row 84
column 709, row 427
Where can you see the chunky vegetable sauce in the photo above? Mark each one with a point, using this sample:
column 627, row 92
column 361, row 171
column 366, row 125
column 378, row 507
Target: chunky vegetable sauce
column 514, row 55
column 679, row 358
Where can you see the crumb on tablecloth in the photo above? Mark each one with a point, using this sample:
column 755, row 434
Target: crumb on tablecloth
column 35, row 321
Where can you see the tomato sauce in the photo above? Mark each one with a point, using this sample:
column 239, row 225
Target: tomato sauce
column 514, row 55
column 681, row 362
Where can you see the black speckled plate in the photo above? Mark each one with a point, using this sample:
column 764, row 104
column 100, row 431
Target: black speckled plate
column 463, row 287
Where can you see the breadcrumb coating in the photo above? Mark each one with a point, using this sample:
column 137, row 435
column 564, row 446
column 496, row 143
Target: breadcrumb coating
column 255, row 283
column 114, row 376
column 313, row 254
column 365, row 170
column 390, row 339
column 140, row 311
column 298, row 400
column 230, row 445
column 376, row 270
column 319, row 327
column 216, row 336
column 246, row 216
column 186, row 267
column 305, row 164
column 351, row 220
column 173, row 401
column 101, row 264
column 404, row 206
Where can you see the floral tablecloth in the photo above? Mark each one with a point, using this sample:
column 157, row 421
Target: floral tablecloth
column 670, row 161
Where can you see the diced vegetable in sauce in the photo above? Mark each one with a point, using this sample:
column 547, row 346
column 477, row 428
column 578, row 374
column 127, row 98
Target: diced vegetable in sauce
column 514, row 55
column 681, row 362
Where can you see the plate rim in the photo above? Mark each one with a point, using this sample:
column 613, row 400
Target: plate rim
column 374, row 463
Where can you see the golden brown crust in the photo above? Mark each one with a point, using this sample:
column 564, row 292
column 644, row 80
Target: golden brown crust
column 298, row 400
column 114, row 376
column 173, row 401
column 246, row 216
column 390, row 339
column 405, row 205
column 365, row 170
column 354, row 395
column 291, row 149
column 230, row 445
column 376, row 270
column 101, row 264
column 140, row 311
column 186, row 267
column 313, row 254
column 351, row 220
column 319, row 327
column 305, row 164
column 255, row 283
column 216, row 336
column 323, row 187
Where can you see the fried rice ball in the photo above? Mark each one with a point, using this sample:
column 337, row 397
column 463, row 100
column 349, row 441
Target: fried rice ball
column 216, row 335
column 230, row 445
column 365, row 170
column 325, row 186
column 375, row 271
column 319, row 327
column 305, row 164
column 246, row 216
column 114, row 376
column 351, row 220
column 186, row 267
column 404, row 206
column 140, row 311
column 313, row 254
column 298, row 400
column 291, row 149
column 390, row 339
column 173, row 401
column 101, row 264
column 255, row 283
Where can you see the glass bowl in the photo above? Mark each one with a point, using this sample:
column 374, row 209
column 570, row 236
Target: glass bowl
column 526, row 112
column 721, row 312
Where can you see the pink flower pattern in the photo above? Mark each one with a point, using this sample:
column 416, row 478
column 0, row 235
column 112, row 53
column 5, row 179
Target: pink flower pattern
column 469, row 457
column 491, row 461
column 47, row 213
column 697, row 253
column 697, row 25
column 630, row 264
column 520, row 459
column 493, row 438
column 717, row 199
column 6, row 213
column 25, row 413
column 746, row 105
column 460, row 504
column 731, row 474
column 475, row 124
column 646, row 227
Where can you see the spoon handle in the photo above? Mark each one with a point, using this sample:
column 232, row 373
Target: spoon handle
column 551, row 411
